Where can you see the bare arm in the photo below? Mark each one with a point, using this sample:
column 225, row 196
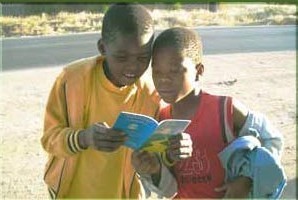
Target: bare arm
column 239, row 115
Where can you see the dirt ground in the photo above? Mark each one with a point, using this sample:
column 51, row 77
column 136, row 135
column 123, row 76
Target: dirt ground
column 265, row 82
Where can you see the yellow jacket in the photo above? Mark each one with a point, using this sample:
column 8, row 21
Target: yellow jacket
column 81, row 96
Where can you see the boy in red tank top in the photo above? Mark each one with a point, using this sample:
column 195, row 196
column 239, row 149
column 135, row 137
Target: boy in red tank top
column 176, row 68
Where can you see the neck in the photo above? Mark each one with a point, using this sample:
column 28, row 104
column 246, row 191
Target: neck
column 107, row 70
column 185, row 108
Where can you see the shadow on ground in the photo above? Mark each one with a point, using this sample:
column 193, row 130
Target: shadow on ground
column 290, row 191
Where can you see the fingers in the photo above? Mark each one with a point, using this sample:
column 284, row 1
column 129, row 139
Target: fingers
column 111, row 136
column 221, row 188
column 177, row 154
column 107, row 146
column 107, row 139
column 180, row 140
column 100, row 127
column 185, row 153
column 180, row 143
column 105, row 142
column 180, row 153
column 233, row 189
column 180, row 136
column 238, row 188
column 180, row 147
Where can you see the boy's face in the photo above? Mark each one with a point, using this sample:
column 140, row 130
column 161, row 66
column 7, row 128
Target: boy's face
column 128, row 57
column 173, row 75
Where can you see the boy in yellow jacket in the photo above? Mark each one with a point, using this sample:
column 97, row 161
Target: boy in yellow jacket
column 87, row 159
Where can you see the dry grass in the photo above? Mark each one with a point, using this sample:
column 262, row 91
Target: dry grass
column 45, row 24
column 227, row 15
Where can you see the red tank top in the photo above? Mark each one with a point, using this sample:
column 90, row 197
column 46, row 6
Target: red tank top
column 199, row 175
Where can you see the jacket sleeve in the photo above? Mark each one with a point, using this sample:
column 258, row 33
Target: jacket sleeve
column 58, row 138
column 259, row 126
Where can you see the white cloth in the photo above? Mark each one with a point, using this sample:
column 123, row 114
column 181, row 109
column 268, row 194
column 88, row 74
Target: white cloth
column 167, row 187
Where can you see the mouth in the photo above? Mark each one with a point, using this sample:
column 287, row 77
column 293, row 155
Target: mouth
column 130, row 75
column 165, row 92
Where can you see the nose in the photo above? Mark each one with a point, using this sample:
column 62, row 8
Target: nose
column 165, row 78
column 133, row 64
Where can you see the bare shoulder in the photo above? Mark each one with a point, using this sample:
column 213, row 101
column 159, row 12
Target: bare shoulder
column 239, row 115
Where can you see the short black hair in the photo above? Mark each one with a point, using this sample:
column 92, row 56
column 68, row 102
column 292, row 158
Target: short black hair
column 126, row 18
column 183, row 39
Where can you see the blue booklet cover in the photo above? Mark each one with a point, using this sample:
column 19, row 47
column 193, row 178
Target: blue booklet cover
column 145, row 133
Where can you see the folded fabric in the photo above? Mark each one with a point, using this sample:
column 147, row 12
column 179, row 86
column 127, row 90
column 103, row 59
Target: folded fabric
column 245, row 157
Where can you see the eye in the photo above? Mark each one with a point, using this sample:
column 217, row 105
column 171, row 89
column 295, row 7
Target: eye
column 143, row 58
column 156, row 74
column 120, row 58
column 175, row 70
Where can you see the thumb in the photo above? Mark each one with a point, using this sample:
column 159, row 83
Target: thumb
column 221, row 189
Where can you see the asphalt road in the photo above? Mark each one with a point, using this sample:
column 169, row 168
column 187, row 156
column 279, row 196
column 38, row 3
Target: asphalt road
column 20, row 53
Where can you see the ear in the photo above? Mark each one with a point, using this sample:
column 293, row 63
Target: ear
column 101, row 47
column 200, row 69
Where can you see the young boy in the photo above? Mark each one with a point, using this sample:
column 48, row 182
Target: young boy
column 215, row 121
column 87, row 159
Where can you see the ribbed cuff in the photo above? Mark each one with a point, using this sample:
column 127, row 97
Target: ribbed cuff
column 73, row 142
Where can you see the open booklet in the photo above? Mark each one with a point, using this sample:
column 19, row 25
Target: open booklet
column 145, row 133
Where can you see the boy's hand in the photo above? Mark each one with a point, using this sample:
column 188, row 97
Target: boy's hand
column 100, row 137
column 145, row 162
column 238, row 188
column 180, row 147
